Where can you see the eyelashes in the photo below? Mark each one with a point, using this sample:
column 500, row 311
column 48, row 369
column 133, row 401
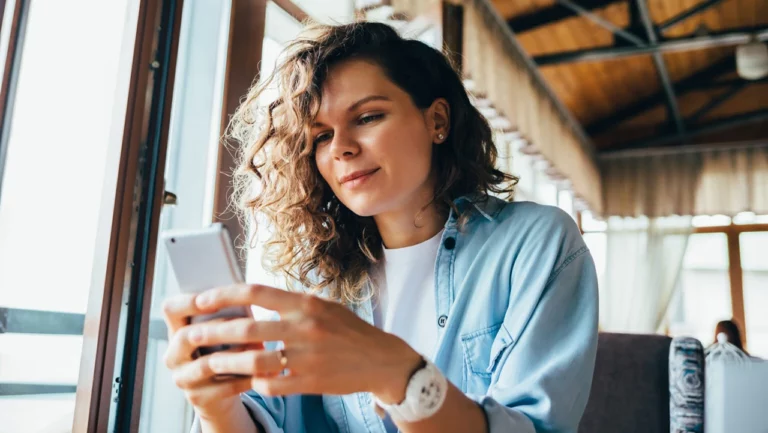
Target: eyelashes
column 363, row 120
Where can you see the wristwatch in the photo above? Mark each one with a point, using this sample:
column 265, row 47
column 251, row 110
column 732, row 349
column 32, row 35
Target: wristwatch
column 424, row 395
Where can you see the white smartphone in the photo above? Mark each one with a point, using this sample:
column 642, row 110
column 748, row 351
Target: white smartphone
column 203, row 259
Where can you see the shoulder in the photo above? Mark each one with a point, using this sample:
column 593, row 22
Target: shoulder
column 536, row 221
column 528, row 229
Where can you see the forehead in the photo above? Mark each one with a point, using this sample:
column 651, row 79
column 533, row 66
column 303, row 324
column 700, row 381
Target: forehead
column 352, row 80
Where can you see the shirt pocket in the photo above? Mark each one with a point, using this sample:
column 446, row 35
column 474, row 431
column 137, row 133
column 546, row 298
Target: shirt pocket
column 482, row 351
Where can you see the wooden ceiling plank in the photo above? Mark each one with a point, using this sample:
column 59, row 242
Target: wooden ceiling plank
column 715, row 70
column 711, row 127
column 716, row 102
column 696, row 10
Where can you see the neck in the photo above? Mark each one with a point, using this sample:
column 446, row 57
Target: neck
column 410, row 225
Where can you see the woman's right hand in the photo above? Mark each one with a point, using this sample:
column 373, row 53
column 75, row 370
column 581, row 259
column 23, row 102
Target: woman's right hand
column 212, row 398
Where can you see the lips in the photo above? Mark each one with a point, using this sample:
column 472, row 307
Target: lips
column 356, row 175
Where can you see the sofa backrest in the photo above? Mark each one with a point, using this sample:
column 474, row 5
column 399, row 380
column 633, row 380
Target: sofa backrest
column 630, row 387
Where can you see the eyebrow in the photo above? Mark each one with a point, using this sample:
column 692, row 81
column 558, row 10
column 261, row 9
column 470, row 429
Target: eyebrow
column 357, row 104
column 367, row 99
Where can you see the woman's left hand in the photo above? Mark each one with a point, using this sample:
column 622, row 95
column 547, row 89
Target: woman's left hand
column 329, row 350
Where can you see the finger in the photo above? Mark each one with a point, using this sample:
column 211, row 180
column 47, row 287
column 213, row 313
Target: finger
column 193, row 374
column 252, row 362
column 242, row 331
column 216, row 391
column 286, row 385
column 180, row 345
column 254, row 294
column 177, row 310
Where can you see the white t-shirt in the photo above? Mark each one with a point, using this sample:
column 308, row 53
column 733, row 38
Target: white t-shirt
column 405, row 302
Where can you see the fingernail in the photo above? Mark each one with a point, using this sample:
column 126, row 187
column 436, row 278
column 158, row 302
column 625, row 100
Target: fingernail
column 215, row 364
column 204, row 300
column 195, row 335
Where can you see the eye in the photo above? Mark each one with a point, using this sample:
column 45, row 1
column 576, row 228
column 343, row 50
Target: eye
column 321, row 138
column 369, row 118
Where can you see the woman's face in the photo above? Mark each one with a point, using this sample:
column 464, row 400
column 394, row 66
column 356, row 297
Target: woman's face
column 373, row 146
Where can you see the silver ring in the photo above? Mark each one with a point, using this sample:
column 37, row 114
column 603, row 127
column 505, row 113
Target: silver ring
column 283, row 358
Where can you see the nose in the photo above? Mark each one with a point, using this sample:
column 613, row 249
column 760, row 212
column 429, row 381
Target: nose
column 344, row 146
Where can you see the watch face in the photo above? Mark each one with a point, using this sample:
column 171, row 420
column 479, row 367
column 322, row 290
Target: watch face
column 430, row 395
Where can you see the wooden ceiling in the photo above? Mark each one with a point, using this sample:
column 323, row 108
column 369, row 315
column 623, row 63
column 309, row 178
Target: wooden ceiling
column 614, row 86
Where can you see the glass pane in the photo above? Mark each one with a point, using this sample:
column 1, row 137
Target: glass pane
column 52, row 192
column 190, row 174
column 754, row 264
column 704, row 295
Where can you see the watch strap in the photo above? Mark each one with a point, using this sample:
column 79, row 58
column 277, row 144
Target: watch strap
column 424, row 395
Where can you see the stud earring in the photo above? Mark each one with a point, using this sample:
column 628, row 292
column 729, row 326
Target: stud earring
column 440, row 136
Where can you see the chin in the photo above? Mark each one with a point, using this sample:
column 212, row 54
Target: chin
column 363, row 205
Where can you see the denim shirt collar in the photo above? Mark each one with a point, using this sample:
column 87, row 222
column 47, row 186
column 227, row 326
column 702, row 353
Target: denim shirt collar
column 486, row 205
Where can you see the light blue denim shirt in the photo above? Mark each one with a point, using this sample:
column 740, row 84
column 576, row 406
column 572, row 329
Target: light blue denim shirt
column 516, row 293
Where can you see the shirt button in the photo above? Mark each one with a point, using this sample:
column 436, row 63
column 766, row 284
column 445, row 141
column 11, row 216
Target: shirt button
column 441, row 321
column 450, row 243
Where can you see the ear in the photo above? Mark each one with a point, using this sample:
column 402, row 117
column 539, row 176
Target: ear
column 439, row 120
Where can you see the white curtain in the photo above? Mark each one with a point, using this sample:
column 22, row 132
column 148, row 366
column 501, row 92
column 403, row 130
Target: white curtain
column 643, row 262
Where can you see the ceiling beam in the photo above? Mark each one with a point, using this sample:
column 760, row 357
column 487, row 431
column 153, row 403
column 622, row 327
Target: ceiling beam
column 728, row 83
column 715, row 102
column 616, row 30
column 683, row 86
column 682, row 16
column 551, row 15
column 685, row 43
column 713, row 126
column 673, row 110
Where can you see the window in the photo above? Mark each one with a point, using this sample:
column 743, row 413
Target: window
column 703, row 296
column 190, row 174
column 51, row 196
column 709, row 276
column 754, row 265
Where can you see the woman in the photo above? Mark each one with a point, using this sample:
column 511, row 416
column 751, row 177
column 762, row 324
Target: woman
column 424, row 299
column 730, row 330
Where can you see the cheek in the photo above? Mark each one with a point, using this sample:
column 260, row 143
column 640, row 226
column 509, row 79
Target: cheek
column 409, row 148
column 323, row 165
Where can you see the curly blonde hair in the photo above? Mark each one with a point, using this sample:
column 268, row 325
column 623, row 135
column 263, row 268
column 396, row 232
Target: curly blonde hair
column 318, row 242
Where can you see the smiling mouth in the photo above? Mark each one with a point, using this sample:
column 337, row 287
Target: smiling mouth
column 357, row 176
column 358, row 179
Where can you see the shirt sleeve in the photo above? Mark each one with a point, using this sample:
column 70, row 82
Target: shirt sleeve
column 542, row 380
column 267, row 413
column 290, row 414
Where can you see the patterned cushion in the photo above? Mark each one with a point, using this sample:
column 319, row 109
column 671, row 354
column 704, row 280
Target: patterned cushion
column 686, row 386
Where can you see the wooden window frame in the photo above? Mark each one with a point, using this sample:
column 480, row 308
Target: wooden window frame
column 120, row 285
column 10, row 71
column 735, row 272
